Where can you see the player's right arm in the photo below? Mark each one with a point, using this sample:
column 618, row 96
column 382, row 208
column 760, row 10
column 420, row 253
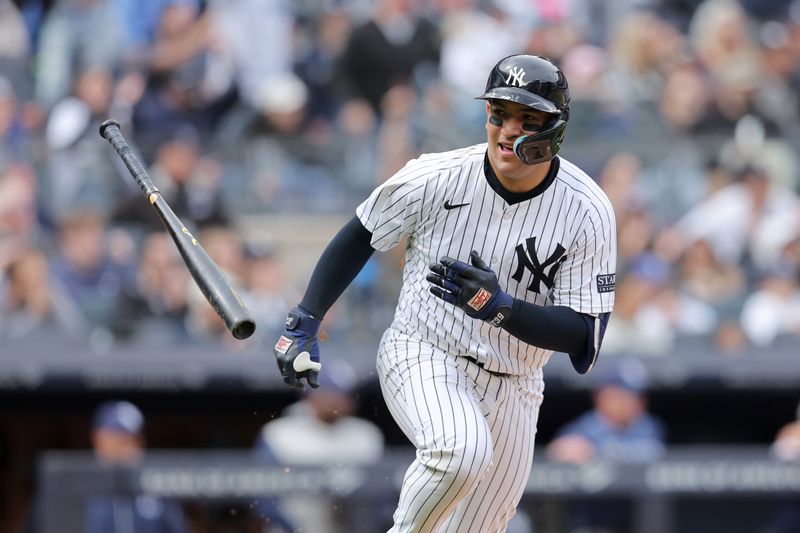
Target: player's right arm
column 389, row 214
column 297, row 349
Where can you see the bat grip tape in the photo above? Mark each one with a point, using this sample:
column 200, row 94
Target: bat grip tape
column 135, row 167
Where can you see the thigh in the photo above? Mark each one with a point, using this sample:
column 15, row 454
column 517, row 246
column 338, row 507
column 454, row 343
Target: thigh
column 512, row 422
column 429, row 394
column 435, row 400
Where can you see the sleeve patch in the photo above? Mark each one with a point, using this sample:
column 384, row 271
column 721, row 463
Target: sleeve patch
column 606, row 282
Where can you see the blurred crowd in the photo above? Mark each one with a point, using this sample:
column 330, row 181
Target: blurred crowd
column 685, row 111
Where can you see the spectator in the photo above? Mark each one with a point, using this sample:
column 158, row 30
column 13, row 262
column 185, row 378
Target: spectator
column 14, row 141
column 729, row 339
column 357, row 125
column 730, row 217
column 141, row 19
column 118, row 442
column 786, row 445
column 777, row 242
column 684, row 99
column 267, row 289
column 253, row 43
column 14, row 43
column 628, row 189
column 618, row 428
column 27, row 305
column 178, row 89
column 326, row 34
column 720, row 36
column 96, row 284
column 78, row 170
column 636, row 233
column 397, row 31
column 321, row 430
column 18, row 224
column 702, row 276
column 473, row 37
column 644, row 49
column 189, row 182
column 162, row 282
column 637, row 321
column 76, row 34
column 280, row 160
column 773, row 309
column 395, row 142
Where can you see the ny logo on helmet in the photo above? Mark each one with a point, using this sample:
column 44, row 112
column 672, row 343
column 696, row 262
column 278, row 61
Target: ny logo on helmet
column 516, row 76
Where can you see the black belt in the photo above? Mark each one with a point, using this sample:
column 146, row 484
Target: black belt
column 482, row 366
column 472, row 359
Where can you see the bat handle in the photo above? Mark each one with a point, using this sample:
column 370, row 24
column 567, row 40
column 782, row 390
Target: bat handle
column 109, row 130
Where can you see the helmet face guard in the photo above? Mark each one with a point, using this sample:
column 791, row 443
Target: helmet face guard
column 541, row 146
column 537, row 83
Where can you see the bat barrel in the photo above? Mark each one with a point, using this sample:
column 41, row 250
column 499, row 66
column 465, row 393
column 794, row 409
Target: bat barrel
column 243, row 328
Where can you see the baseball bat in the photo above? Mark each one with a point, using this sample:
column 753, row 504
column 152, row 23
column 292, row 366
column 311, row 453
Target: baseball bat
column 209, row 277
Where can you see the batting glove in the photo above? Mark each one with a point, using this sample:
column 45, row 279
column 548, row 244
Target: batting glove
column 472, row 288
column 297, row 349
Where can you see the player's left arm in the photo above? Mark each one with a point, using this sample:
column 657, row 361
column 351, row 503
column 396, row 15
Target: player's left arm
column 560, row 328
column 586, row 280
column 475, row 289
column 583, row 294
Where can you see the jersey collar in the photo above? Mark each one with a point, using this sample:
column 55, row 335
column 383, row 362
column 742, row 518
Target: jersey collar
column 516, row 197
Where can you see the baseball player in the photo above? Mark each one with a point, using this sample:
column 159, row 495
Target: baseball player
column 510, row 255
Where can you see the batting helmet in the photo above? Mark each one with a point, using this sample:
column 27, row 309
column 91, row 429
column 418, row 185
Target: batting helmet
column 535, row 82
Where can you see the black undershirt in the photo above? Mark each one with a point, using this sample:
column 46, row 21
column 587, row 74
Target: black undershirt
column 340, row 263
column 512, row 198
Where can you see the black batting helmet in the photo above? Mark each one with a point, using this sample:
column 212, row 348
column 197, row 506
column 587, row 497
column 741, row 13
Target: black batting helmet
column 535, row 82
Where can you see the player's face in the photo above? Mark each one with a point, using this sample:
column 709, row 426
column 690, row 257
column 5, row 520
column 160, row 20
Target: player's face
column 506, row 122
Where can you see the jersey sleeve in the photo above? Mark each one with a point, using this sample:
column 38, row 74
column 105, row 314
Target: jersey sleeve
column 392, row 211
column 586, row 280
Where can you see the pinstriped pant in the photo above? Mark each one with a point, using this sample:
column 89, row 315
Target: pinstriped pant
column 474, row 432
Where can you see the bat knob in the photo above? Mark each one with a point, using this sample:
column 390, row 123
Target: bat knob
column 107, row 124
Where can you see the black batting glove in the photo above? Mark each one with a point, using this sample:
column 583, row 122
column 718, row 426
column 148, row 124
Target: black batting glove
column 297, row 349
column 473, row 288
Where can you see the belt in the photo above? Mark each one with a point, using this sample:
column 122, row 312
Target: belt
column 473, row 360
column 482, row 366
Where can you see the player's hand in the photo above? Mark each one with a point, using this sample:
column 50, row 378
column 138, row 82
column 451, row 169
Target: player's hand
column 297, row 349
column 473, row 288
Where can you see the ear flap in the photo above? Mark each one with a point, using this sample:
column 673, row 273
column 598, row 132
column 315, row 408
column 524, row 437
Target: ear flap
column 542, row 146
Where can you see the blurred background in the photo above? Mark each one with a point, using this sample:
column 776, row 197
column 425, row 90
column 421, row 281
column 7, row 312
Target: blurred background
column 265, row 123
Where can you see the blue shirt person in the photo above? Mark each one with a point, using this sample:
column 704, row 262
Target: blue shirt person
column 618, row 428
column 118, row 441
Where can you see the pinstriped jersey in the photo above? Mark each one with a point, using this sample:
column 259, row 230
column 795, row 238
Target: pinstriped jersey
column 555, row 246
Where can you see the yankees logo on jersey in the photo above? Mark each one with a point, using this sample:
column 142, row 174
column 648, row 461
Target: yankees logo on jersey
column 551, row 246
column 544, row 272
